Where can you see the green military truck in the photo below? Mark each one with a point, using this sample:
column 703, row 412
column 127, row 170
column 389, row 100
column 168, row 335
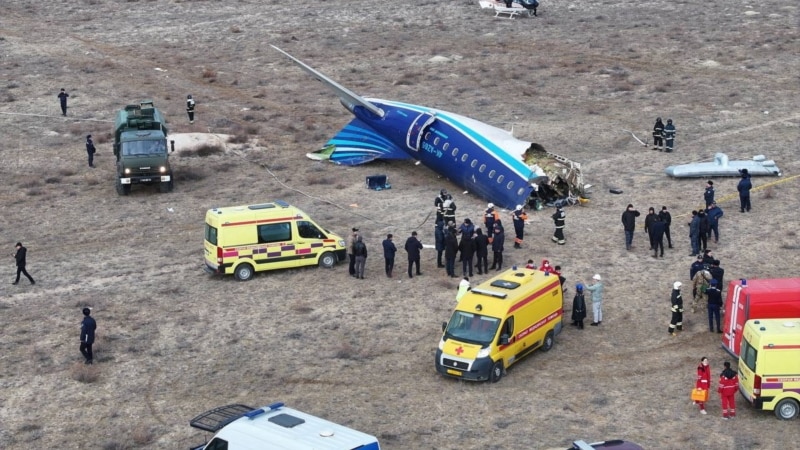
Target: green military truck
column 140, row 145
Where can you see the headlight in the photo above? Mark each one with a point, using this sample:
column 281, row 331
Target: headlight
column 441, row 344
column 342, row 243
column 483, row 353
column 162, row 169
column 127, row 171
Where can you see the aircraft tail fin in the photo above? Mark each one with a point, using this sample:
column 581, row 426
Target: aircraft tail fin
column 356, row 144
column 348, row 97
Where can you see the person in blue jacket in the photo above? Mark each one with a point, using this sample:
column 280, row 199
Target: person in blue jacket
column 714, row 213
column 708, row 195
column 744, row 187
column 389, row 250
column 88, row 327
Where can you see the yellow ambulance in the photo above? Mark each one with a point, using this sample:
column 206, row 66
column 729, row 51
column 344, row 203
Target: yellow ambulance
column 242, row 240
column 500, row 321
column 769, row 366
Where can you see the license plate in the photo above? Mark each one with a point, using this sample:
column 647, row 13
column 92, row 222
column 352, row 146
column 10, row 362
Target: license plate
column 144, row 180
column 453, row 372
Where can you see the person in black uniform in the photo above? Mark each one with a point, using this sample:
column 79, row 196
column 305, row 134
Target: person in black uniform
column 657, row 236
column 190, row 107
column 677, row 309
column 413, row 246
column 62, row 98
column 482, row 251
column 717, row 273
column 744, row 187
column 669, row 136
column 714, row 306
column 666, row 217
column 20, row 255
column 648, row 222
column 497, row 247
column 658, row 135
column 88, row 326
column 559, row 220
column 90, row 150
column 438, row 203
column 708, row 195
column 389, row 250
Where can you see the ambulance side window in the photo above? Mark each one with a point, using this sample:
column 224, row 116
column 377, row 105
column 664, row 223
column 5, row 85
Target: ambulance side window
column 274, row 232
column 217, row 444
column 508, row 328
column 308, row 230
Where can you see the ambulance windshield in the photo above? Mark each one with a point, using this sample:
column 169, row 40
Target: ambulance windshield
column 472, row 328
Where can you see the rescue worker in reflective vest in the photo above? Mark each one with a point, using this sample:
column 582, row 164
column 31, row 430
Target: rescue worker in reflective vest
column 669, row 135
column 449, row 208
column 658, row 135
column 728, row 385
column 559, row 220
column 190, row 108
column 490, row 216
column 438, row 204
column 518, row 217
column 677, row 309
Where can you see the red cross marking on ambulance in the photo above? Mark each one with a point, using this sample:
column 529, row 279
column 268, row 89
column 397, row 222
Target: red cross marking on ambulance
column 459, row 350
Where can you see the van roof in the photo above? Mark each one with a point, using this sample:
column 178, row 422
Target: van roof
column 242, row 214
column 775, row 327
column 278, row 427
column 508, row 291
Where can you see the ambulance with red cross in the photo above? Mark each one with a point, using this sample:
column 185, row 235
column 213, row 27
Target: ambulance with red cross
column 243, row 240
column 499, row 322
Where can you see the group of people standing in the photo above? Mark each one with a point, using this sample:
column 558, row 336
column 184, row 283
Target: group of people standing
column 357, row 254
column 664, row 135
column 727, row 387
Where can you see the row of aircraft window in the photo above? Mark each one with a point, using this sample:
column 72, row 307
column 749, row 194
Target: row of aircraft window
column 474, row 163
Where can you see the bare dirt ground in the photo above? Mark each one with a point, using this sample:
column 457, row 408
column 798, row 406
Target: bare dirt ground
column 173, row 341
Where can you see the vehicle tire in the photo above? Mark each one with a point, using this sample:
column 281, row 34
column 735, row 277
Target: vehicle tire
column 497, row 371
column 327, row 260
column 549, row 340
column 787, row 409
column 123, row 189
column 243, row 272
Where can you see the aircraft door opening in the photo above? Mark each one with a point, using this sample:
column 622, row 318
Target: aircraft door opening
column 417, row 130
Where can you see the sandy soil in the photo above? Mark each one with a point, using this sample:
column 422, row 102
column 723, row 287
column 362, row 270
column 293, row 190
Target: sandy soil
column 174, row 341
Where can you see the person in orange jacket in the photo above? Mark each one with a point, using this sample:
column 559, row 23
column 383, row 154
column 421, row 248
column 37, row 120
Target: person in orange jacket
column 518, row 218
column 703, row 380
column 728, row 385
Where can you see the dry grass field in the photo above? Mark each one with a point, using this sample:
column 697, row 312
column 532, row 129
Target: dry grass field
column 174, row 341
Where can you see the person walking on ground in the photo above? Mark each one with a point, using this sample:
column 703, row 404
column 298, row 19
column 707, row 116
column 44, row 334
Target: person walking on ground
column 490, row 216
column 559, row 220
column 389, row 250
column 694, row 234
column 438, row 234
column 62, row 98
column 90, row 150
column 657, row 236
column 714, row 213
column 482, row 251
column 714, row 305
column 88, row 326
column 350, row 253
column 450, row 251
column 703, row 381
column 658, row 135
column 728, row 385
column 578, row 307
column 463, row 288
column 700, row 284
column 666, row 217
column 413, row 246
column 497, row 247
column 190, row 107
column 597, row 299
column 20, row 256
column 629, row 224
column 744, row 187
column 677, row 309
column 708, row 195
column 704, row 229
column 360, row 252
column 669, row 136
column 518, row 218
column 648, row 222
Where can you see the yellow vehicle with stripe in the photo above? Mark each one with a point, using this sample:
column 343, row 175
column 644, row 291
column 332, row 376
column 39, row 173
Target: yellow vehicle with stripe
column 769, row 366
column 499, row 322
column 243, row 240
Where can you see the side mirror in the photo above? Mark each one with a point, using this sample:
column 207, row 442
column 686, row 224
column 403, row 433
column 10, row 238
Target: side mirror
column 444, row 326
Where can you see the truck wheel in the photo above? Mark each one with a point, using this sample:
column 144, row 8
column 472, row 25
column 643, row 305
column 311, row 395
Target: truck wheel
column 165, row 187
column 327, row 260
column 123, row 189
column 243, row 272
column 497, row 372
column 549, row 340
column 787, row 409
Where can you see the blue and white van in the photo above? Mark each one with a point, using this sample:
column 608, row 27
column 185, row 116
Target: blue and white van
column 240, row 427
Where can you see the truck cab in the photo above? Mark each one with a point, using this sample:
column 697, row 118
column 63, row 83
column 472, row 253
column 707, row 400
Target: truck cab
column 140, row 146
